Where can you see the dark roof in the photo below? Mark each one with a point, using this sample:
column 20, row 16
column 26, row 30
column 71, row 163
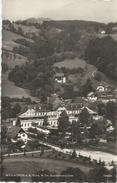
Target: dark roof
column 12, row 132
column 59, row 75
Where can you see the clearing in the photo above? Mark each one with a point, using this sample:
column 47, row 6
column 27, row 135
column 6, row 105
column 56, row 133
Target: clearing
column 75, row 63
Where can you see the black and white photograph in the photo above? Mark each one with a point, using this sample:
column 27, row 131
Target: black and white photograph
column 58, row 91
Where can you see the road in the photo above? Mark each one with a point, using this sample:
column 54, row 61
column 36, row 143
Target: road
column 93, row 75
column 14, row 154
column 97, row 155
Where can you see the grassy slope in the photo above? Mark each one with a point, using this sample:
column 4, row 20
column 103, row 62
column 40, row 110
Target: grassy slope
column 27, row 29
column 8, row 37
column 8, row 87
column 77, row 78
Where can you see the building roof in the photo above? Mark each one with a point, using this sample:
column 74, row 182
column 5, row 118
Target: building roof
column 90, row 94
column 13, row 132
column 59, row 75
column 54, row 99
column 90, row 111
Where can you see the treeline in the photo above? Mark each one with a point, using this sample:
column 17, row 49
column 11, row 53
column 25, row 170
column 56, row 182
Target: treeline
column 102, row 52
column 67, row 24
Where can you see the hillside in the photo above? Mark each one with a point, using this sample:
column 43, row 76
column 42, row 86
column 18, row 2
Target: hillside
column 33, row 20
column 68, row 44
column 8, row 39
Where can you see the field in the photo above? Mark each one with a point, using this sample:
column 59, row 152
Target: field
column 9, row 89
column 8, row 39
column 114, row 36
column 27, row 29
column 11, row 62
column 75, row 63
column 32, row 165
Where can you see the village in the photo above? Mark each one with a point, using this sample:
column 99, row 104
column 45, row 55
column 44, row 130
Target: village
column 63, row 122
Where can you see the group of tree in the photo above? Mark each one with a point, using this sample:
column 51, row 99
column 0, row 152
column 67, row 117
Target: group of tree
column 37, row 77
column 108, row 110
column 7, row 110
column 71, row 174
column 101, row 52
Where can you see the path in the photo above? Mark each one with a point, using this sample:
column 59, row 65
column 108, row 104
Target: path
column 107, row 157
column 14, row 154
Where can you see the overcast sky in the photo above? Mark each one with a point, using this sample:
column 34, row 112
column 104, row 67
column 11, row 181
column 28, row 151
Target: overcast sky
column 94, row 10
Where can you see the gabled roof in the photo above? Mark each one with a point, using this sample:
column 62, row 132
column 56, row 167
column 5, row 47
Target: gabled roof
column 13, row 132
column 59, row 75
column 90, row 94
column 90, row 111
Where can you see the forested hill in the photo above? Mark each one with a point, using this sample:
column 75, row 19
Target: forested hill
column 102, row 52
column 55, row 41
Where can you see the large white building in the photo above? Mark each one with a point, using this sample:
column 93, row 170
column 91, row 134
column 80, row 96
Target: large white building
column 36, row 114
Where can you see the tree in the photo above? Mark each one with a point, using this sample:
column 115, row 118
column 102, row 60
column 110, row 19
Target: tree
column 18, row 122
column 63, row 122
column 74, row 155
column 84, row 117
column 98, row 76
column 76, row 132
column 45, row 176
column 45, row 122
column 98, row 174
column 109, row 28
column 16, row 109
column 86, row 88
column 77, row 175
column 3, row 133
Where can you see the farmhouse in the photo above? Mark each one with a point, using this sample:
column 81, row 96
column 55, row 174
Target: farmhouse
column 91, row 96
column 17, row 133
column 60, row 78
column 100, row 88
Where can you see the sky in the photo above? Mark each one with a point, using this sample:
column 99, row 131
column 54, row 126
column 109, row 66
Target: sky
column 91, row 10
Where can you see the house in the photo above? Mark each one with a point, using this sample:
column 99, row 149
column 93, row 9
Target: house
column 103, row 32
column 17, row 133
column 100, row 88
column 60, row 78
column 91, row 96
column 115, row 93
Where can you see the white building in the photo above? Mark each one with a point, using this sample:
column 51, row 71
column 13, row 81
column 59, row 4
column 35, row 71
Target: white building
column 91, row 96
column 60, row 78
column 35, row 115
column 17, row 133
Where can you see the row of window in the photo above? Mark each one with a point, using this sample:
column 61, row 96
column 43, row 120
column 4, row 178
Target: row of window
column 49, row 113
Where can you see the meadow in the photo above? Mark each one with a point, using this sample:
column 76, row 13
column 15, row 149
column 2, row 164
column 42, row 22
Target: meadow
column 75, row 63
column 9, row 89
column 8, row 39
column 32, row 165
